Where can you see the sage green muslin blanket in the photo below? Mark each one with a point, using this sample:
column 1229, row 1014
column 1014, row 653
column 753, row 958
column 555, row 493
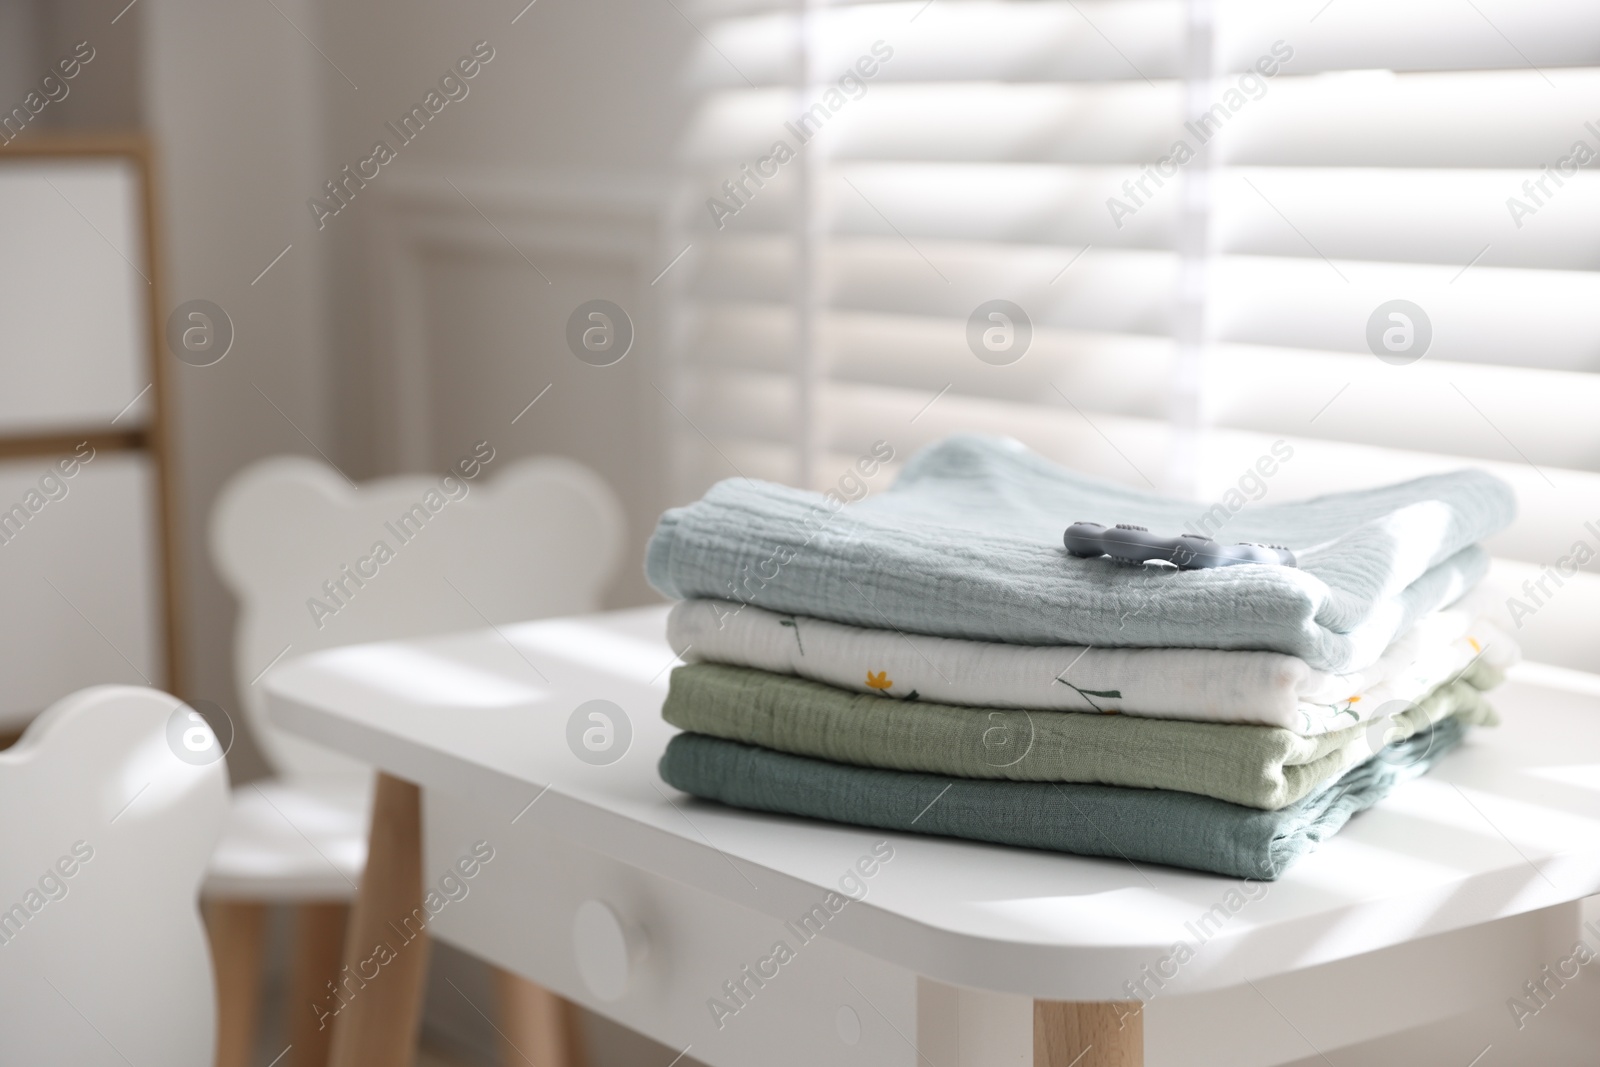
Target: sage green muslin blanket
column 1141, row 825
column 967, row 543
column 1258, row 766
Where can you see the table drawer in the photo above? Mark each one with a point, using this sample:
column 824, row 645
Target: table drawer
column 711, row 976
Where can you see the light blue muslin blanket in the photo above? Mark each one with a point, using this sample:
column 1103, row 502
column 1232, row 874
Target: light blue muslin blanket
column 967, row 543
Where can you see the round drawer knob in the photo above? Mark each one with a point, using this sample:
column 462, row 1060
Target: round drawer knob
column 848, row 1025
column 606, row 948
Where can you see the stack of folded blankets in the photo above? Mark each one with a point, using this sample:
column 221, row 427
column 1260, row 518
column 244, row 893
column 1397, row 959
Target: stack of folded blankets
column 932, row 659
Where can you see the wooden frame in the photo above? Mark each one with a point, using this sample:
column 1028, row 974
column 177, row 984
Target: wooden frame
column 156, row 438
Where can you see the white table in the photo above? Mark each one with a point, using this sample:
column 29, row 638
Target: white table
column 959, row 952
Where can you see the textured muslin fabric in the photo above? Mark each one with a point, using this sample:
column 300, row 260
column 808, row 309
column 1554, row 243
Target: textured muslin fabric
column 1202, row 684
column 1256, row 766
column 1141, row 825
column 967, row 543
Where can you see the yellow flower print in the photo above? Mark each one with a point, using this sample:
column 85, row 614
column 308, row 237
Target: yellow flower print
column 879, row 681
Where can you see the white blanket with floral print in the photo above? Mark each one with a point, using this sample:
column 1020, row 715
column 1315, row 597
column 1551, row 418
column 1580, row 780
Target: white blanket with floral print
column 1208, row 685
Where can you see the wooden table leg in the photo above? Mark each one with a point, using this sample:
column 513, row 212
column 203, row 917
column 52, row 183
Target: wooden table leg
column 236, row 929
column 377, row 1001
column 537, row 1026
column 319, row 932
column 1087, row 1035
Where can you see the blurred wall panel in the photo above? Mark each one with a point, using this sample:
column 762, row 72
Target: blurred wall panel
column 536, row 187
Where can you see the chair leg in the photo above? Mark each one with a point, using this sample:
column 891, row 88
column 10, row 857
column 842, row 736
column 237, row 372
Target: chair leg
column 318, row 953
column 236, row 928
column 536, row 1026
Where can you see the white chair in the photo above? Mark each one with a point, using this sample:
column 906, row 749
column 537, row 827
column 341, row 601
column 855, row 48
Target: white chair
column 105, row 839
column 300, row 548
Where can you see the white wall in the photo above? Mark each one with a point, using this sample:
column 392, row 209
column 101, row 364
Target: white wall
column 19, row 43
column 233, row 100
column 561, row 141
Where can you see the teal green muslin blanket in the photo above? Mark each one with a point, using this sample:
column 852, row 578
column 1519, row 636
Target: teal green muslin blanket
column 1142, row 825
column 1257, row 766
column 967, row 543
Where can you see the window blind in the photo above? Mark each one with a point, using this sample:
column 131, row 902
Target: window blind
column 1208, row 213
